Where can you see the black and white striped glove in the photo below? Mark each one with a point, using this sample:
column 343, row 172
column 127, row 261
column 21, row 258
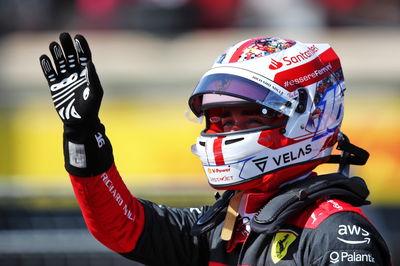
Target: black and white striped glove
column 77, row 93
column 74, row 85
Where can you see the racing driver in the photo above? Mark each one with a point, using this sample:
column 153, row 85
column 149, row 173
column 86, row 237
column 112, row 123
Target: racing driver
column 273, row 108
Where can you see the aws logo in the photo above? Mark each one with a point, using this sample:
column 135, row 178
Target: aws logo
column 282, row 240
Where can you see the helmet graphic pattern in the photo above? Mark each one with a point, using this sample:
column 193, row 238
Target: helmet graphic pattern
column 265, row 46
column 323, row 89
column 259, row 47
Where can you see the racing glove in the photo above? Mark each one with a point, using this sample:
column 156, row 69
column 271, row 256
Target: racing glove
column 77, row 93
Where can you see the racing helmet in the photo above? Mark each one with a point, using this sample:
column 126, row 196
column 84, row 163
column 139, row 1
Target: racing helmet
column 298, row 87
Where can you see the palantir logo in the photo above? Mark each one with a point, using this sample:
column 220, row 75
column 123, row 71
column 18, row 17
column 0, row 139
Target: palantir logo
column 275, row 65
column 350, row 257
column 334, row 257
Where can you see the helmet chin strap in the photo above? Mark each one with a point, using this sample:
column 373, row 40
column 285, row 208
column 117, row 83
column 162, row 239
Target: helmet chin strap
column 351, row 154
column 230, row 217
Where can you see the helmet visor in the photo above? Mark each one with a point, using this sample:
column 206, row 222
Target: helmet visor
column 241, row 118
column 236, row 86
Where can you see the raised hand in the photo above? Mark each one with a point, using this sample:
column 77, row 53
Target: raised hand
column 74, row 85
column 77, row 93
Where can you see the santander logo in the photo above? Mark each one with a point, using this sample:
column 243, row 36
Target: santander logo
column 301, row 56
column 275, row 65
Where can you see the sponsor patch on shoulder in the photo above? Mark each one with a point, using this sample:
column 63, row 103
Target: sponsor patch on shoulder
column 353, row 234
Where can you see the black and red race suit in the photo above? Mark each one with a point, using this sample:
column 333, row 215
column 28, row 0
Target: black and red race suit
column 313, row 221
column 327, row 231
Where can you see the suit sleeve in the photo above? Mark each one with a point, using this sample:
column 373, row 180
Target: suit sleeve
column 139, row 230
column 111, row 213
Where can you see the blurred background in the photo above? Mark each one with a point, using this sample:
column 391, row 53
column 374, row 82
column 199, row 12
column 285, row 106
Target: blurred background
column 149, row 55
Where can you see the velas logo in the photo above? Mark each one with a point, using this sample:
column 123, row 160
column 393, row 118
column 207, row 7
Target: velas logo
column 275, row 65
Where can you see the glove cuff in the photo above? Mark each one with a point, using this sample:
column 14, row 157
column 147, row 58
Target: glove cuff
column 87, row 150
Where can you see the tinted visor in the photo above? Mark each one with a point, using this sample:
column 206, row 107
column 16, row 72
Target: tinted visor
column 236, row 86
column 241, row 118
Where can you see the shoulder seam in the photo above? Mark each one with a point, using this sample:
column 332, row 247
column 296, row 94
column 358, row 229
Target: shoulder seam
column 325, row 208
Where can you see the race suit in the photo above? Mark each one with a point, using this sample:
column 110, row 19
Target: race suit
column 314, row 221
column 328, row 232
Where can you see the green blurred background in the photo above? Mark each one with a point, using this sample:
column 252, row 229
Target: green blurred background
column 149, row 56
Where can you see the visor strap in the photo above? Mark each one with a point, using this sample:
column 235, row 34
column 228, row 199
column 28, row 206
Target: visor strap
column 230, row 218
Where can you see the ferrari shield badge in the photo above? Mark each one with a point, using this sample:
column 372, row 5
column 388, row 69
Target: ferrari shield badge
column 282, row 240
